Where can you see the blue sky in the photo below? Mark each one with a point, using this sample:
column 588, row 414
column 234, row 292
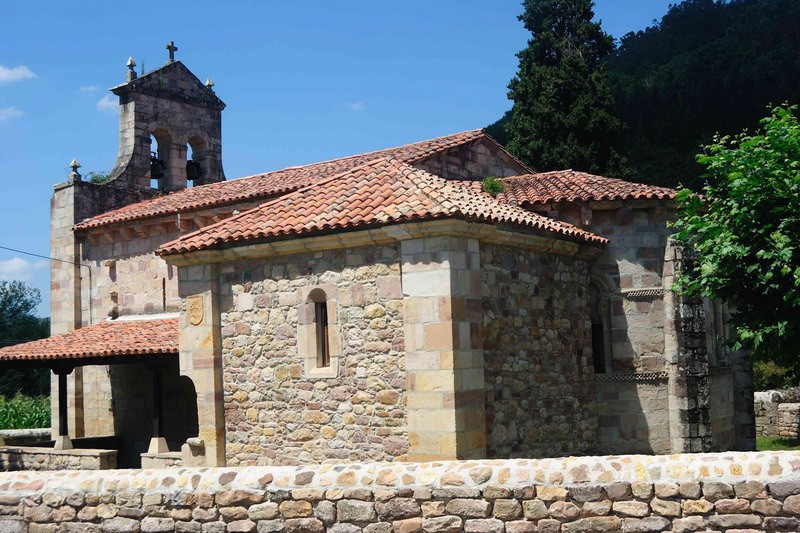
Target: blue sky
column 304, row 81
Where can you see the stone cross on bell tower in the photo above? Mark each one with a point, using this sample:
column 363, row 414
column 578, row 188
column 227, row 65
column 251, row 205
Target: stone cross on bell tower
column 172, row 49
column 165, row 114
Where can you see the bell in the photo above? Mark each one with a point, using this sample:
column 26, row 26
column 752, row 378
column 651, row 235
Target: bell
column 156, row 167
column 192, row 170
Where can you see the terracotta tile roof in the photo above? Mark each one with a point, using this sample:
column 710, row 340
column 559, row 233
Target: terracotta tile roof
column 104, row 339
column 569, row 186
column 273, row 183
column 381, row 192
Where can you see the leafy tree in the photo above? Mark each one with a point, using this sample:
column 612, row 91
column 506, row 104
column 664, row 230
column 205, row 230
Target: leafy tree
column 18, row 323
column 563, row 113
column 746, row 232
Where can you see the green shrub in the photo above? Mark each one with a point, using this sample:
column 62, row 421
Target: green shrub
column 492, row 186
column 24, row 412
column 767, row 375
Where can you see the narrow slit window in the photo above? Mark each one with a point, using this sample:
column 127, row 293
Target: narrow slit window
column 321, row 320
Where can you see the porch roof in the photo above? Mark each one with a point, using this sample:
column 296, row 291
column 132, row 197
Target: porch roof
column 106, row 342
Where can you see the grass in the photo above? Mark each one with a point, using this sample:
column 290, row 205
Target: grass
column 24, row 412
column 764, row 444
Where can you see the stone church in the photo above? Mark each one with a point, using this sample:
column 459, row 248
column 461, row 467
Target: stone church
column 375, row 307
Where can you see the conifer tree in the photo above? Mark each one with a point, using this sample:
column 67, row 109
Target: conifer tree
column 563, row 113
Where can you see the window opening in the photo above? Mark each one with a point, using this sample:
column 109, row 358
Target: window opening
column 321, row 320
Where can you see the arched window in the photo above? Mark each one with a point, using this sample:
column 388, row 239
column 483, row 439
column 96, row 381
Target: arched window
column 318, row 332
column 321, row 328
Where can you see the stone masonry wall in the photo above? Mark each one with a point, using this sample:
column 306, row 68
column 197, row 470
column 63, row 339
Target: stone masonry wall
column 766, row 410
column 537, row 353
column 276, row 410
column 743, row 492
column 476, row 161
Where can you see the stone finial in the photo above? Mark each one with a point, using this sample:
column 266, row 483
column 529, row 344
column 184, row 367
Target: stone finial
column 172, row 49
column 209, row 83
column 131, row 74
column 74, row 175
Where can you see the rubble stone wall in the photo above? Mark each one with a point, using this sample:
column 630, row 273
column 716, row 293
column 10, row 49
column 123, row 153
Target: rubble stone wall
column 479, row 160
column 681, row 493
column 789, row 420
column 537, row 353
column 766, row 405
column 278, row 410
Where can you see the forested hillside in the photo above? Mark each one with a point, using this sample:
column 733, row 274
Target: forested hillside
column 706, row 67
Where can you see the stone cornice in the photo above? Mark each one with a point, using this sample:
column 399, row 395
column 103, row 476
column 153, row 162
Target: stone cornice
column 385, row 235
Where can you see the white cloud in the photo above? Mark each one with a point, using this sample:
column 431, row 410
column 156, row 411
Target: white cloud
column 107, row 103
column 90, row 89
column 17, row 268
column 9, row 113
column 355, row 106
column 12, row 74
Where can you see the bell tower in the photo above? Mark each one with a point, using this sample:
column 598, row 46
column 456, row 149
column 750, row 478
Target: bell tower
column 163, row 116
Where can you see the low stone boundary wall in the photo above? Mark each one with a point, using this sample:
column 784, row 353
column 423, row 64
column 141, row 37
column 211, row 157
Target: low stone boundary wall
column 33, row 458
column 789, row 420
column 765, row 405
column 24, row 437
column 752, row 491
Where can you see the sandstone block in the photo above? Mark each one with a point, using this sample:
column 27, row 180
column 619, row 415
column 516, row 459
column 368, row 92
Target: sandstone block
column 521, row 526
column 781, row 489
column 72, row 527
column 157, row 525
column 230, row 498
column 341, row 527
column 214, row 527
column 230, row 514
column 39, row 513
column 781, row 523
column 650, row 524
column 64, row 514
column 263, row 511
column 432, row 508
column 735, row 520
column 468, row 508
column 732, row 506
column 121, row 525
column 325, row 511
column 791, row 505
column 295, row 509
column 409, row 525
column 312, row 495
column 507, row 509
column 619, row 491
column 205, row 515
column 696, row 506
column 355, row 511
column 494, row 492
column 13, row 526
column 270, row 526
column 750, row 490
column 550, row 493
column 688, row 524
column 304, row 525
column 642, row 490
column 665, row 507
column 665, row 490
column 600, row 508
column 690, row 489
column 564, row 511
column 398, row 508
column 188, row 527
column 768, row 507
column 587, row 494
column 378, row 527
column 53, row 499
column 598, row 524
column 442, row 524
column 548, row 525
column 484, row 525
column 631, row 508
column 716, row 490
column 535, row 509
column 42, row 528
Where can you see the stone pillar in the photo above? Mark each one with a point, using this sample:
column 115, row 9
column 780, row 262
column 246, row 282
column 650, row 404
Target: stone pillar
column 201, row 355
column 444, row 348
column 686, row 352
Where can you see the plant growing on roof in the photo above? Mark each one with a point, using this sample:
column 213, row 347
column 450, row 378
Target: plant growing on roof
column 746, row 232
column 492, row 186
